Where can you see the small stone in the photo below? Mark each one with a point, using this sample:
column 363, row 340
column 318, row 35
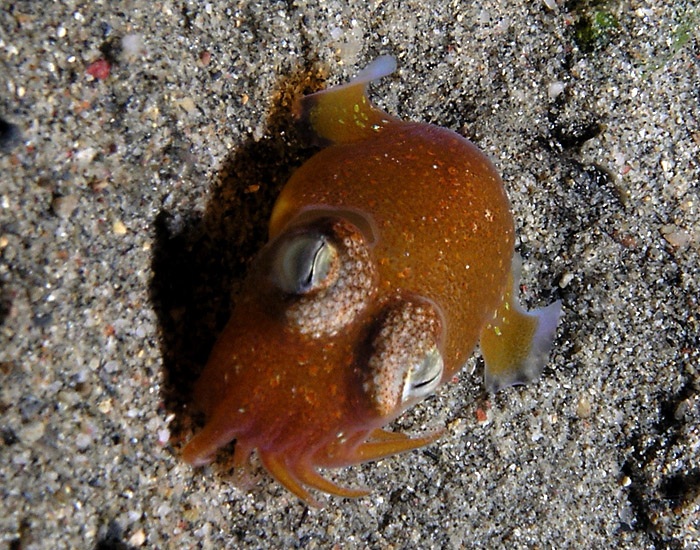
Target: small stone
column 675, row 236
column 83, row 440
column 99, row 69
column 163, row 510
column 555, row 88
column 64, row 207
column 566, row 278
column 163, row 436
column 205, row 58
column 132, row 45
column 85, row 156
column 137, row 539
column 21, row 459
column 118, row 227
column 187, row 104
column 31, row 433
column 583, row 409
column 484, row 414
column 111, row 366
column 192, row 515
column 457, row 427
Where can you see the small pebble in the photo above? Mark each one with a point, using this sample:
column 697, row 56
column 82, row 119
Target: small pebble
column 83, row 440
column 137, row 539
column 118, row 227
column 675, row 236
column 111, row 366
column 163, row 436
column 583, row 409
column 31, row 433
column 187, row 104
column 99, row 69
column 21, row 459
column 555, row 89
column 566, row 278
column 64, row 207
column 133, row 44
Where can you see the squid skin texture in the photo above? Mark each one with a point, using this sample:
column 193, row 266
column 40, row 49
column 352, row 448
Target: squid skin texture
column 390, row 255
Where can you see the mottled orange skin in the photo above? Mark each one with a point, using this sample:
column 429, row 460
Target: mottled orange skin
column 435, row 215
column 444, row 226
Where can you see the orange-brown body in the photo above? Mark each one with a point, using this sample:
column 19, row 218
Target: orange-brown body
column 442, row 218
column 390, row 255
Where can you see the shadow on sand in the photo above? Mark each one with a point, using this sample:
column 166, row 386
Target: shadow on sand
column 199, row 261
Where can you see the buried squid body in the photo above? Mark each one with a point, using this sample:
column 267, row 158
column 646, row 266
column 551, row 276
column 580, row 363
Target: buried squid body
column 390, row 257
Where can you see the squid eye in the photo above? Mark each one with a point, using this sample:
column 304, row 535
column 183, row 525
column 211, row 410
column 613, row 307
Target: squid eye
column 423, row 377
column 405, row 363
column 327, row 268
column 305, row 263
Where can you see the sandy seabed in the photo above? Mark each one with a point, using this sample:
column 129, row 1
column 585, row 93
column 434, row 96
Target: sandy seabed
column 142, row 145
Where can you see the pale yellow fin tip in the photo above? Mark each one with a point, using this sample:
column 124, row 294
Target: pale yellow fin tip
column 343, row 113
column 382, row 66
column 531, row 367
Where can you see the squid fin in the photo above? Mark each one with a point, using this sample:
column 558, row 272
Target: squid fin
column 344, row 114
column 515, row 343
